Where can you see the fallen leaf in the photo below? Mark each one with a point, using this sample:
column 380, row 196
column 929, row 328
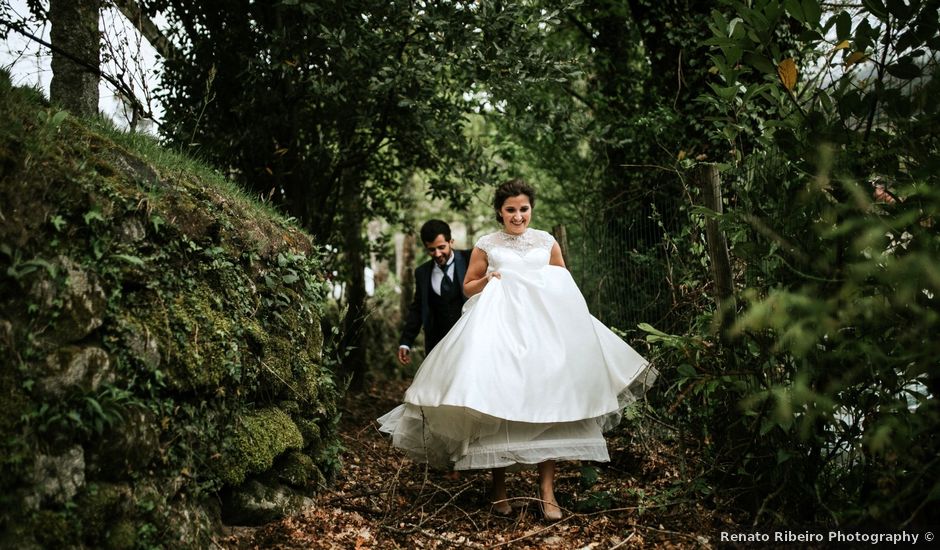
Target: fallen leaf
column 854, row 57
column 786, row 69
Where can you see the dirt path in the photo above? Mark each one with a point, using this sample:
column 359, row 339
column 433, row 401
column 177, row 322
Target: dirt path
column 383, row 500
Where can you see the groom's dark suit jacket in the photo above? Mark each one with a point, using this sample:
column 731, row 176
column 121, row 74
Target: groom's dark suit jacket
column 434, row 313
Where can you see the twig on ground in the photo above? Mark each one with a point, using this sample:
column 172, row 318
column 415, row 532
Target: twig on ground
column 667, row 531
column 353, row 495
column 433, row 535
column 537, row 532
column 621, row 543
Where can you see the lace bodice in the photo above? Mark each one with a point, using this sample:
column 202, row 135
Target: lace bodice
column 502, row 248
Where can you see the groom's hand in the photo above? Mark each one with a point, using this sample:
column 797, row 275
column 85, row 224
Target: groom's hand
column 404, row 356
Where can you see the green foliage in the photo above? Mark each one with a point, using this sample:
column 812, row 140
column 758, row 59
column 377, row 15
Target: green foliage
column 382, row 330
column 365, row 93
column 601, row 141
column 326, row 107
column 595, row 501
column 820, row 402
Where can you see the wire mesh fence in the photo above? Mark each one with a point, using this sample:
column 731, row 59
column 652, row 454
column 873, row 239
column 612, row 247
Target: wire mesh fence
column 622, row 267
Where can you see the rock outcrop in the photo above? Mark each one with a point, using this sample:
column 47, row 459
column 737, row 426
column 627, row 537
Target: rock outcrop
column 160, row 343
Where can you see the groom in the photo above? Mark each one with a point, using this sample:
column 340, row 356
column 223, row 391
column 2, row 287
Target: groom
column 439, row 295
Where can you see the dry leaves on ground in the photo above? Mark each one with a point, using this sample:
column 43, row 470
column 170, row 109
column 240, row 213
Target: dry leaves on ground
column 383, row 500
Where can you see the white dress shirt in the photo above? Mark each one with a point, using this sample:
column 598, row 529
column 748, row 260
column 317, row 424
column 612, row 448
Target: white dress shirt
column 437, row 274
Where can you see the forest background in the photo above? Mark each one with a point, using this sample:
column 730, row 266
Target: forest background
column 748, row 187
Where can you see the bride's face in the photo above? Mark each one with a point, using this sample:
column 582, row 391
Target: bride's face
column 516, row 213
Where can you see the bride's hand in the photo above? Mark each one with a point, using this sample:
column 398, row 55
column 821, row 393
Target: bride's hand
column 493, row 275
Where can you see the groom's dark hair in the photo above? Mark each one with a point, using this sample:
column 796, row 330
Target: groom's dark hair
column 512, row 188
column 432, row 228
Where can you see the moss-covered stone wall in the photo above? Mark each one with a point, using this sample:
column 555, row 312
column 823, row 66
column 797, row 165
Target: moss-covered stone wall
column 160, row 343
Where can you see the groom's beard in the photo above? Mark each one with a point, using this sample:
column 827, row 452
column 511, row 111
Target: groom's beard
column 442, row 260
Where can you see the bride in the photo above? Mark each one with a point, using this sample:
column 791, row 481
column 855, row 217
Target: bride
column 526, row 375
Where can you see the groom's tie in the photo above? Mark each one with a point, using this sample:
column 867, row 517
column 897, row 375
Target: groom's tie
column 446, row 283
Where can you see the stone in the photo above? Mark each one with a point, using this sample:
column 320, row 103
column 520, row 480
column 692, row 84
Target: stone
column 75, row 367
column 58, row 477
column 143, row 345
column 126, row 447
column 43, row 291
column 81, row 301
column 132, row 230
column 85, row 300
column 100, row 505
column 134, row 167
column 191, row 524
column 254, row 503
column 184, row 337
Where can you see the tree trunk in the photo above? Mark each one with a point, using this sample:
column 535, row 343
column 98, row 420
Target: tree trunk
column 379, row 265
column 561, row 235
column 74, row 30
column 355, row 253
column 719, row 258
column 407, row 277
column 406, row 273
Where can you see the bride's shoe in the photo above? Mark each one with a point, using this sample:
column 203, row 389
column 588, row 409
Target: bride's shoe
column 501, row 507
column 550, row 509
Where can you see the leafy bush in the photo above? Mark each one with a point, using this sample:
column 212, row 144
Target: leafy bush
column 819, row 403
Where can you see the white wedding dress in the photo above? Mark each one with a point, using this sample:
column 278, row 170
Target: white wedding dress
column 526, row 374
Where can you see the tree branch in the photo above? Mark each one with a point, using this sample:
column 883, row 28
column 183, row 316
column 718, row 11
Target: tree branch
column 131, row 10
column 121, row 87
column 574, row 93
column 878, row 83
column 584, row 30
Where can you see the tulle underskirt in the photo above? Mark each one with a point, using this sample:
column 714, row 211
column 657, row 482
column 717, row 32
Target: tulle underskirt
column 459, row 438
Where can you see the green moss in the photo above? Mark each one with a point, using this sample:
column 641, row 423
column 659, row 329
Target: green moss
column 291, row 362
column 100, row 505
column 277, row 359
column 12, row 404
column 310, row 431
column 52, row 529
column 255, row 336
column 121, row 536
column 309, row 376
column 291, row 407
column 140, row 332
column 260, row 436
column 296, row 469
column 314, row 337
column 303, row 326
column 206, row 341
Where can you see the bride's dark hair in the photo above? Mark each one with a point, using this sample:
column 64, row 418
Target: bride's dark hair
column 512, row 188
